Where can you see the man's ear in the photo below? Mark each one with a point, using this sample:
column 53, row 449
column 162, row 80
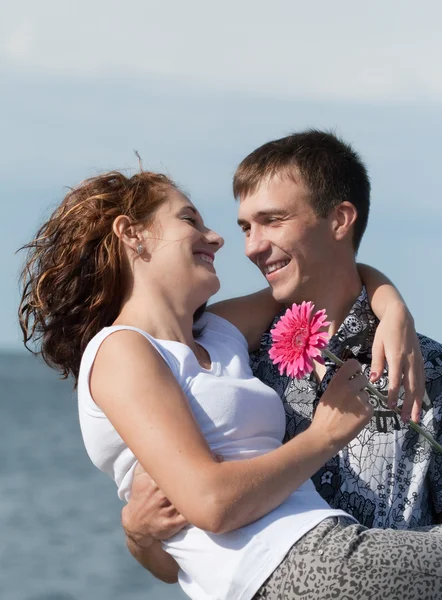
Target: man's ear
column 343, row 220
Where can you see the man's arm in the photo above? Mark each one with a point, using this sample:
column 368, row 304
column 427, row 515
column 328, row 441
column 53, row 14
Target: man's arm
column 147, row 519
column 155, row 560
column 251, row 314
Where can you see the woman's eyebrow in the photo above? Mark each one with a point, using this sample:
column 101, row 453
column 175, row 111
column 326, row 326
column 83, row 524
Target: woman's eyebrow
column 190, row 207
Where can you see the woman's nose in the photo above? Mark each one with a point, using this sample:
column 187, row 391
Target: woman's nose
column 215, row 239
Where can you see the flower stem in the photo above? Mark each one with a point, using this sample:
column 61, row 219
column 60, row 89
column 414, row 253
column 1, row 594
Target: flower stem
column 373, row 390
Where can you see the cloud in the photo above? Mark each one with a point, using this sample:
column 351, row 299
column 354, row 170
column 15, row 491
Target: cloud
column 290, row 49
column 18, row 44
column 195, row 86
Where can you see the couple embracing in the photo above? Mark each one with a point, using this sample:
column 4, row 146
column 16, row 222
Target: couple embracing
column 117, row 282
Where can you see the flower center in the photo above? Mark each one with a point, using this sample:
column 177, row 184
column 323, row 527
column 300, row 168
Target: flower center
column 300, row 338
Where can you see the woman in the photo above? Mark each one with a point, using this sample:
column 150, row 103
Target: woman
column 117, row 276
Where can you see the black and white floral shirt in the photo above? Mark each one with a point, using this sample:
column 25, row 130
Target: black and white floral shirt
column 388, row 476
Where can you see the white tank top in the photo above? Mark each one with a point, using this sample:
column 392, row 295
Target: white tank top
column 240, row 417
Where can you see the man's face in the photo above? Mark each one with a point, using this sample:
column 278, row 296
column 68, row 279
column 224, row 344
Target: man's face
column 291, row 246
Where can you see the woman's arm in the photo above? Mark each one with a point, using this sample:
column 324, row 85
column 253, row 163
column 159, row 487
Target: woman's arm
column 396, row 342
column 251, row 314
column 142, row 399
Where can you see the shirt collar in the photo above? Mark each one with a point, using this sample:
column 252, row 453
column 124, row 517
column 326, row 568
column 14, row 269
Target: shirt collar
column 358, row 328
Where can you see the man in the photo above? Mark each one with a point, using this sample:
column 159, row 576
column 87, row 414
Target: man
column 292, row 192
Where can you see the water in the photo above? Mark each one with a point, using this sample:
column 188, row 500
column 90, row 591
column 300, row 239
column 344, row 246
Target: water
column 60, row 533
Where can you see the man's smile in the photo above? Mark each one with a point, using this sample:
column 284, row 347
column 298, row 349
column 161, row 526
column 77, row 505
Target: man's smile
column 274, row 267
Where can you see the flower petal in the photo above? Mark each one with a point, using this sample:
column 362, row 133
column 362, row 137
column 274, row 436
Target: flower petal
column 297, row 339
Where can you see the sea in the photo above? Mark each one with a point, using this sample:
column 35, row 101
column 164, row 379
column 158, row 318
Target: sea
column 60, row 532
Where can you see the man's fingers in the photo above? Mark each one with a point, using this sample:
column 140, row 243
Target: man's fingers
column 377, row 360
column 181, row 521
column 163, row 502
column 417, row 367
column 138, row 470
column 143, row 481
column 170, row 527
column 170, row 512
column 408, row 398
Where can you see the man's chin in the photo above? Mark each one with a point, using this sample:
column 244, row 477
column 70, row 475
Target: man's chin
column 281, row 295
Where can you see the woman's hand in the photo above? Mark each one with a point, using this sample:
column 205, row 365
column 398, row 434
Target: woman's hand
column 397, row 343
column 344, row 409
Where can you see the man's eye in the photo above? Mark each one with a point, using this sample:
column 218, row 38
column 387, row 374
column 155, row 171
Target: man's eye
column 245, row 228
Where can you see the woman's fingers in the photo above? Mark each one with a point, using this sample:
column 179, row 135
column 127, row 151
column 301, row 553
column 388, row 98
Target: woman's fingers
column 358, row 381
column 367, row 407
column 349, row 369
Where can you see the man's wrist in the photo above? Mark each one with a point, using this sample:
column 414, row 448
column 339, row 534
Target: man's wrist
column 137, row 543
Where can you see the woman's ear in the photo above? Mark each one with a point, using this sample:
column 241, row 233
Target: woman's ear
column 131, row 235
column 344, row 217
column 126, row 231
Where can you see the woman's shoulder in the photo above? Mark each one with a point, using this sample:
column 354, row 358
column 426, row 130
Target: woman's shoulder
column 126, row 342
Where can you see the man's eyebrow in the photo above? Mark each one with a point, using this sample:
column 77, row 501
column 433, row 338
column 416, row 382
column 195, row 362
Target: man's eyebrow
column 268, row 212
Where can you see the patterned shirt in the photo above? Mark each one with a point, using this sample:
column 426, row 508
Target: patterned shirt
column 388, row 476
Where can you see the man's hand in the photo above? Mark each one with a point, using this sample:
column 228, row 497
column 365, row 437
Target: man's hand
column 396, row 341
column 149, row 515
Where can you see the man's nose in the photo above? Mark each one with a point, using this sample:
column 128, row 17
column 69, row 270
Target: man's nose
column 256, row 246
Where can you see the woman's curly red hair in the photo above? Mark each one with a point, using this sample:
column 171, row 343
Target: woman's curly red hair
column 73, row 279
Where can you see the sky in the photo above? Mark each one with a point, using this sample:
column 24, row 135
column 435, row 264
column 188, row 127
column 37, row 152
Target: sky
column 195, row 86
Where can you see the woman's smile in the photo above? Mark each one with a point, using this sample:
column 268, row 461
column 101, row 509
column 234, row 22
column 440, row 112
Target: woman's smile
column 206, row 257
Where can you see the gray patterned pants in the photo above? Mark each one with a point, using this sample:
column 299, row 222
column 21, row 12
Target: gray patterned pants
column 342, row 560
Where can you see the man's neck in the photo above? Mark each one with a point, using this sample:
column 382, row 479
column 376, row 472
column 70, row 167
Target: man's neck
column 335, row 293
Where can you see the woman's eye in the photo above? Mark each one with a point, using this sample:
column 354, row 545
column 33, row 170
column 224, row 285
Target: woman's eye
column 190, row 219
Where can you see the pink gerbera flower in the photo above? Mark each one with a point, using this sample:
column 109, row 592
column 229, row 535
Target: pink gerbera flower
column 297, row 340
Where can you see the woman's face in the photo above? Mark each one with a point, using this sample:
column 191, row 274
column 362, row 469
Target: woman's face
column 180, row 250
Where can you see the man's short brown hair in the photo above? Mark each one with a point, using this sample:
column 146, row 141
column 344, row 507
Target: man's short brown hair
column 331, row 169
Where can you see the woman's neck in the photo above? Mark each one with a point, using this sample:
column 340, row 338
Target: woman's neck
column 160, row 317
